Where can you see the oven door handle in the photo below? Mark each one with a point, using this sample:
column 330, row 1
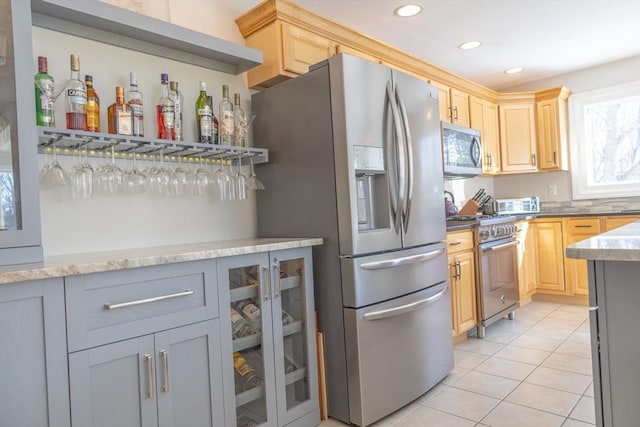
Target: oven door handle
column 396, row 262
column 396, row 311
column 502, row 246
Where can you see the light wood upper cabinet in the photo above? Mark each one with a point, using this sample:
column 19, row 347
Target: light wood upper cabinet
column 454, row 104
column 301, row 48
column 518, row 136
column 549, row 256
column 552, row 127
column 356, row 52
column 483, row 115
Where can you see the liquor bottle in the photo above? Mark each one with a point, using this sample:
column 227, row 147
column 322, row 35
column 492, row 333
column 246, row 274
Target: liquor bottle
column 178, row 101
column 203, row 115
column 245, row 375
column 120, row 115
column 240, row 327
column 287, row 318
column 214, row 122
column 239, row 122
column 76, row 98
column 165, row 111
column 249, row 311
column 134, row 99
column 93, row 106
column 226, row 118
column 43, row 83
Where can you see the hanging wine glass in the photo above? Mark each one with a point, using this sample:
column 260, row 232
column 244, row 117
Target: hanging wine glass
column 253, row 183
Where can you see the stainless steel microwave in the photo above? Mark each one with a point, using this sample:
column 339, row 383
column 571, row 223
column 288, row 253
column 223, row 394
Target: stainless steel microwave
column 461, row 151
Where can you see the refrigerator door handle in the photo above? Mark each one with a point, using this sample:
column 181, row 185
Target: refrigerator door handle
column 396, row 262
column 400, row 159
column 409, row 169
column 396, row 311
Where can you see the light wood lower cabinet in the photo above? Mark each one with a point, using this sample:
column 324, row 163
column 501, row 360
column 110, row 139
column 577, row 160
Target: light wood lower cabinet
column 34, row 387
column 549, row 256
column 577, row 229
column 527, row 268
column 462, row 276
column 613, row 222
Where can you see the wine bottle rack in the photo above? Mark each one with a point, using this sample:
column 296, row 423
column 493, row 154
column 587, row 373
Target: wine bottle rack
column 95, row 144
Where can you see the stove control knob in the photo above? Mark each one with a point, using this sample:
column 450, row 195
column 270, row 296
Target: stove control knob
column 484, row 234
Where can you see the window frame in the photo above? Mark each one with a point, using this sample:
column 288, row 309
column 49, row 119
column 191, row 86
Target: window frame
column 579, row 155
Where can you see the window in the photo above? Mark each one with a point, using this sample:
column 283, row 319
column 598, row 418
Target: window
column 605, row 142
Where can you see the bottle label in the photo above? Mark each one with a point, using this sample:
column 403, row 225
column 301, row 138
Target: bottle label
column 205, row 126
column 124, row 123
column 227, row 123
column 241, row 365
column 168, row 112
column 77, row 96
column 252, row 312
column 136, row 110
column 235, row 316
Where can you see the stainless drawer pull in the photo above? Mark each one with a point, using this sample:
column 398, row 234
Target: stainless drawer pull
column 396, row 262
column 109, row 306
column 149, row 361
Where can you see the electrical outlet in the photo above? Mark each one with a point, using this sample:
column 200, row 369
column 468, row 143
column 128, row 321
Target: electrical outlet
column 553, row 190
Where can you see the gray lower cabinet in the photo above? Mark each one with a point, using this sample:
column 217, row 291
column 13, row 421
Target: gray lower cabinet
column 268, row 339
column 171, row 378
column 33, row 357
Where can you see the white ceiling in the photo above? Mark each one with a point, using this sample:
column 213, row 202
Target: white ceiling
column 545, row 37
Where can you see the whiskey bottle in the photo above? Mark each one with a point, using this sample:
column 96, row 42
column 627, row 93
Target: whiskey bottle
column 43, row 83
column 203, row 115
column 245, row 375
column 120, row 115
column 226, row 118
column 239, row 122
column 134, row 99
column 93, row 106
column 240, row 327
column 249, row 311
column 214, row 121
column 76, row 98
column 178, row 101
column 165, row 111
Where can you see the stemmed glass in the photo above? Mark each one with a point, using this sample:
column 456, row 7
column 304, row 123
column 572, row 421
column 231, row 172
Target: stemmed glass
column 82, row 176
column 134, row 180
column 223, row 180
column 253, row 183
column 164, row 176
column 204, row 179
column 179, row 180
column 114, row 175
column 240, row 181
column 52, row 175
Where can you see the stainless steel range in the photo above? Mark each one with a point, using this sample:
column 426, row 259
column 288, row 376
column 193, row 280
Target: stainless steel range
column 497, row 270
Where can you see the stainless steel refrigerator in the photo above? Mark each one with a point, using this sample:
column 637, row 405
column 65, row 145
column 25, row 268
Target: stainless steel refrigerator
column 355, row 157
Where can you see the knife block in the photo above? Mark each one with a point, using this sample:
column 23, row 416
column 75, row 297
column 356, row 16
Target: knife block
column 469, row 208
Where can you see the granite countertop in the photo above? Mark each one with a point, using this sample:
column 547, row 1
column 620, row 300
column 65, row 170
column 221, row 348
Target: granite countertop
column 621, row 244
column 97, row 262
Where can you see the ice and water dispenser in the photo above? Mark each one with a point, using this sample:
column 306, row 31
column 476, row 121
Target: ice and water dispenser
column 372, row 192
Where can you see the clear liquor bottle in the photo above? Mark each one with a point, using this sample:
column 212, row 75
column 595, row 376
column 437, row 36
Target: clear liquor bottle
column 165, row 111
column 239, row 122
column 214, row 122
column 178, row 101
column 76, row 98
column 226, row 118
column 43, row 83
column 93, row 106
column 120, row 115
column 250, row 311
column 240, row 327
column 134, row 99
column 245, row 374
column 203, row 115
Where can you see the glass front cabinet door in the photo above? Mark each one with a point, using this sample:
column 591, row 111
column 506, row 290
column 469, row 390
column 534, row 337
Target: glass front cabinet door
column 19, row 198
column 271, row 366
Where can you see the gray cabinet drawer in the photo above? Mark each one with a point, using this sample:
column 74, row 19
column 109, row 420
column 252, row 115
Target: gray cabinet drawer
column 117, row 305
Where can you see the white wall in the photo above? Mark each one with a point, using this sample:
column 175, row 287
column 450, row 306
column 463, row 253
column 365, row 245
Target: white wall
column 127, row 221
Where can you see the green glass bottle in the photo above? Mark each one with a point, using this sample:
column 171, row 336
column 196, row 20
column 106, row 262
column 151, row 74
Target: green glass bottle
column 203, row 115
column 43, row 83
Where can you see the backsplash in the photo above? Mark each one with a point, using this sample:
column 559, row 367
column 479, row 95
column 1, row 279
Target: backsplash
column 614, row 205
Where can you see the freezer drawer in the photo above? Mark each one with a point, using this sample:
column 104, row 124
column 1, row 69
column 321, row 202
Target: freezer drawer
column 371, row 279
column 396, row 351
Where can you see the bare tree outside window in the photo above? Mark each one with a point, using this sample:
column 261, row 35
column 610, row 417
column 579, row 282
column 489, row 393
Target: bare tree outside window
column 7, row 201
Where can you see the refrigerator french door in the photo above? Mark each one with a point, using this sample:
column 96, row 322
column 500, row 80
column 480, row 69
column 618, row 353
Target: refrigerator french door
column 356, row 158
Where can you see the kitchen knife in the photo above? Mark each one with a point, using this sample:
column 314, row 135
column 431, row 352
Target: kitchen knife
column 478, row 195
column 486, row 200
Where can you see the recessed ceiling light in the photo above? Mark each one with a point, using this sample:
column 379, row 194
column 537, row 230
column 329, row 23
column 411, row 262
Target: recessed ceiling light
column 513, row 70
column 469, row 45
column 408, row 10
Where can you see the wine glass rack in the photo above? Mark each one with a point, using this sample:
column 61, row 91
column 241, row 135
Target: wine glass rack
column 95, row 144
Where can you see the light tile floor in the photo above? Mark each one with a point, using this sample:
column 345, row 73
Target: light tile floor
column 533, row 371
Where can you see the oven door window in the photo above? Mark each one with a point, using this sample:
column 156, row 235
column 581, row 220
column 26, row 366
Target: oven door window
column 499, row 274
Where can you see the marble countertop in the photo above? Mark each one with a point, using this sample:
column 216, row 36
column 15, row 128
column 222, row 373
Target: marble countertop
column 70, row 265
column 621, row 244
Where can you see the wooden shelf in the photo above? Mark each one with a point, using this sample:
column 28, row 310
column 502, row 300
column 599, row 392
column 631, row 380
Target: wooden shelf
column 95, row 20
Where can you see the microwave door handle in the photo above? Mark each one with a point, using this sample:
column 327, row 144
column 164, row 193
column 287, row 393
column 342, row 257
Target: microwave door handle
column 399, row 155
column 409, row 169
column 476, row 159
